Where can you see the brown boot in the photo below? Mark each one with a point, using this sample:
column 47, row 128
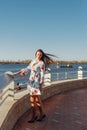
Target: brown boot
column 42, row 115
column 34, row 117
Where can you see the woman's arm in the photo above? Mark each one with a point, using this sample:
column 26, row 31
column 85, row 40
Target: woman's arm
column 22, row 72
column 16, row 73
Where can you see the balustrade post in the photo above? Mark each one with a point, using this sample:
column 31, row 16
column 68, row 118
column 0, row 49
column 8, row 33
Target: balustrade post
column 65, row 75
column 57, row 76
column 11, row 89
column 80, row 72
column 47, row 79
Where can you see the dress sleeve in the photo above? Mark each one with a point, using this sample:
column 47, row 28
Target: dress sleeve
column 42, row 72
column 28, row 68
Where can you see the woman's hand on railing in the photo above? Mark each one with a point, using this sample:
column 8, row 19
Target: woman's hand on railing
column 22, row 72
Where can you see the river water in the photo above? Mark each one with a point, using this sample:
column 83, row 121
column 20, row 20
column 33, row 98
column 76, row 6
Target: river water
column 16, row 67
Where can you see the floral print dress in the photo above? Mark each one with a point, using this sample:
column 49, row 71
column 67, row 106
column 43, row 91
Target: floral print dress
column 36, row 76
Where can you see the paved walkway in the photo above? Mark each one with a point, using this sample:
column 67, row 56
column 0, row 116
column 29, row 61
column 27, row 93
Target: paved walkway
column 67, row 111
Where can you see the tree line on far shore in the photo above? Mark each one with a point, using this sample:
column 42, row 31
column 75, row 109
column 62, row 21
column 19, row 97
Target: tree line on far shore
column 15, row 62
column 28, row 61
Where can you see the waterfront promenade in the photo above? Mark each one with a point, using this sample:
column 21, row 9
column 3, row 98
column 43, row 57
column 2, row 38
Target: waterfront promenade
column 66, row 111
column 65, row 104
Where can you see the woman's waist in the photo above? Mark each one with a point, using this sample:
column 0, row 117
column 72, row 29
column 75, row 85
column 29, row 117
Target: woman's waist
column 34, row 83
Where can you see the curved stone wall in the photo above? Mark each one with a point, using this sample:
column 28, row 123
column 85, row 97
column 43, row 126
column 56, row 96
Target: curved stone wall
column 22, row 105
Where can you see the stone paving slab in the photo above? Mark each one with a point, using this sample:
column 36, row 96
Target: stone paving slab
column 67, row 111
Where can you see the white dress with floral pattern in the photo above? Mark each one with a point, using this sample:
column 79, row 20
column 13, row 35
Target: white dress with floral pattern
column 36, row 76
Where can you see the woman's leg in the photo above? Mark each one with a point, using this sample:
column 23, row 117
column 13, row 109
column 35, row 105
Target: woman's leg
column 33, row 108
column 40, row 107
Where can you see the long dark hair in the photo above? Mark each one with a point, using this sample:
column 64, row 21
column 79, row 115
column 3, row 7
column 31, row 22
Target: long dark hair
column 47, row 58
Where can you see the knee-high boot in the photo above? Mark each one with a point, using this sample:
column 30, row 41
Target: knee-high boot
column 34, row 117
column 42, row 115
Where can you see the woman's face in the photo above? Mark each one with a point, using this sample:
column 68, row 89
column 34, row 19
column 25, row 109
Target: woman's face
column 38, row 55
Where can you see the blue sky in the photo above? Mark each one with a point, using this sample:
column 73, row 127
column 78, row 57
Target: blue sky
column 58, row 27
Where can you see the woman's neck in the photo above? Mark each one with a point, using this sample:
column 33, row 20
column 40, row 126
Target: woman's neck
column 38, row 60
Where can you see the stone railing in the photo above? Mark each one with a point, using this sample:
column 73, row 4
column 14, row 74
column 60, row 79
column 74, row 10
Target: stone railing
column 6, row 92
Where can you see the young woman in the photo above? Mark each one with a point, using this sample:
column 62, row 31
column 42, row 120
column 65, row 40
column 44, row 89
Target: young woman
column 35, row 82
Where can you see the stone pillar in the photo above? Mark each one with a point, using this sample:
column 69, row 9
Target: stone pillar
column 47, row 79
column 80, row 72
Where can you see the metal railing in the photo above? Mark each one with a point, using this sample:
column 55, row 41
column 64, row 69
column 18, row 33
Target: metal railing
column 64, row 75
